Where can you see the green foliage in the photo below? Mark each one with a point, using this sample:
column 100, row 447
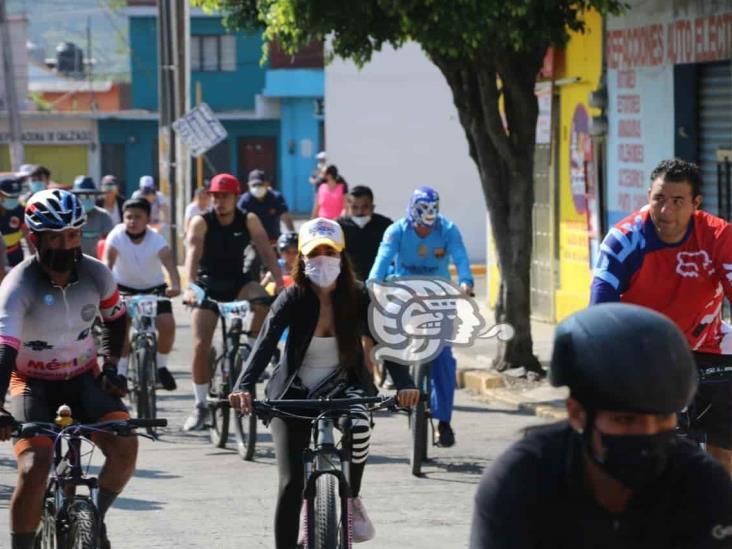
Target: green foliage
column 452, row 29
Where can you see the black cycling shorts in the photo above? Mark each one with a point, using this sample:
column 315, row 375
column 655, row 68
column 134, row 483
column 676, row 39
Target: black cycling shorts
column 38, row 399
column 223, row 292
column 164, row 306
column 710, row 413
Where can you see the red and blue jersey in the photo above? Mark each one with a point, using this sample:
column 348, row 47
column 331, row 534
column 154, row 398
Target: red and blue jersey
column 687, row 281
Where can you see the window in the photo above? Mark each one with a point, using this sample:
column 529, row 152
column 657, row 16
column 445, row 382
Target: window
column 213, row 53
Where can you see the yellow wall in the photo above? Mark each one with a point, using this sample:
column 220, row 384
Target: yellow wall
column 64, row 161
column 583, row 60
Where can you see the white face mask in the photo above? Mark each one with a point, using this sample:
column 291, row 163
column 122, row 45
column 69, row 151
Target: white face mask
column 322, row 270
column 361, row 220
column 258, row 191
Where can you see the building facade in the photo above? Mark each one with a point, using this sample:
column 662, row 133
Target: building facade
column 270, row 111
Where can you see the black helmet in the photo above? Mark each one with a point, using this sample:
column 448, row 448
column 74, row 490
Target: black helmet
column 617, row 356
column 287, row 240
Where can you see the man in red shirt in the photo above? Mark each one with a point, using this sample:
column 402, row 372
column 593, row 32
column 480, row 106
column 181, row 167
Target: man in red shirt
column 672, row 257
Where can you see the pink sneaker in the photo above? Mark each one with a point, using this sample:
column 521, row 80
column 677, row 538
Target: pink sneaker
column 363, row 528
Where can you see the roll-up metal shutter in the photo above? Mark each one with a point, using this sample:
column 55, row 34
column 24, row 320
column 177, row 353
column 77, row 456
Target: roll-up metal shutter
column 715, row 125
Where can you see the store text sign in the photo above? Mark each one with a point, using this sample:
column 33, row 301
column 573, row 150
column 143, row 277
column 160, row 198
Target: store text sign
column 693, row 40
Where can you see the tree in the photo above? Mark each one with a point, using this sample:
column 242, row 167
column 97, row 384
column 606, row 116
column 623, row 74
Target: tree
column 490, row 53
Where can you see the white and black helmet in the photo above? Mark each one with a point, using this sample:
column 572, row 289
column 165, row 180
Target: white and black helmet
column 54, row 210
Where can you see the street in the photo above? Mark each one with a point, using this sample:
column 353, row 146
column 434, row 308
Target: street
column 187, row 493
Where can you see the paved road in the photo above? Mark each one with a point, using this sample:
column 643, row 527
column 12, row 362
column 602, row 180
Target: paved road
column 187, row 493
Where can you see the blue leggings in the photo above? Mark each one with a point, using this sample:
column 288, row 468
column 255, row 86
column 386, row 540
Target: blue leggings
column 443, row 384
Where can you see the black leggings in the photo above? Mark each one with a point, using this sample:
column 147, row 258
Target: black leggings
column 291, row 437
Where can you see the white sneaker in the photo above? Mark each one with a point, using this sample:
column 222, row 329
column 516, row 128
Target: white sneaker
column 363, row 528
column 303, row 520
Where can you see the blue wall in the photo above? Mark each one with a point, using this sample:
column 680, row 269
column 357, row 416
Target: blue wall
column 225, row 90
column 140, row 138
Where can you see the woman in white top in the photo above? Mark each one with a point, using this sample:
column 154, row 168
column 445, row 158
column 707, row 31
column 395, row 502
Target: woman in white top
column 325, row 313
column 136, row 256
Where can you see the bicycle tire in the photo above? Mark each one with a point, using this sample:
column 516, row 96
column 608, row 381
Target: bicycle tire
column 83, row 524
column 220, row 413
column 326, row 505
column 149, row 362
column 46, row 537
column 245, row 427
column 143, row 381
column 418, row 423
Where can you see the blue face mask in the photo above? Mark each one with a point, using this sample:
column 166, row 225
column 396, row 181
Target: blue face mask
column 88, row 204
column 10, row 203
column 36, row 186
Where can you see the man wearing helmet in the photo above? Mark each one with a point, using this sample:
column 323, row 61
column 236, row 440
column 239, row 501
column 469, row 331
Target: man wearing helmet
column 12, row 227
column 216, row 242
column 48, row 357
column 676, row 259
column 421, row 244
column 287, row 248
column 616, row 474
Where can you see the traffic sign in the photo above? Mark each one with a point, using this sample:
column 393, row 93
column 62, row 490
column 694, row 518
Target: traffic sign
column 199, row 129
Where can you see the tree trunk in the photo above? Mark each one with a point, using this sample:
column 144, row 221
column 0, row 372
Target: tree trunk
column 504, row 155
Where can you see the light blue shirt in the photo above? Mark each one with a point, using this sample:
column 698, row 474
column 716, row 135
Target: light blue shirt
column 417, row 256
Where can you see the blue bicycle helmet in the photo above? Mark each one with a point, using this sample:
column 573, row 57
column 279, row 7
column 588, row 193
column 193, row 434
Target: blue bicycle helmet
column 287, row 240
column 54, row 210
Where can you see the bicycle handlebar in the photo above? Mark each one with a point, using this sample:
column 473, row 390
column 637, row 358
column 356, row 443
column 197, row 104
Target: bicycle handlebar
column 34, row 428
column 324, row 404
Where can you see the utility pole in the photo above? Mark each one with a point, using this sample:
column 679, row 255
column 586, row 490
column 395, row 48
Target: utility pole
column 173, row 100
column 11, row 96
column 90, row 66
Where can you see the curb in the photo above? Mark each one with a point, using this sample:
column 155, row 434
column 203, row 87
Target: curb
column 490, row 386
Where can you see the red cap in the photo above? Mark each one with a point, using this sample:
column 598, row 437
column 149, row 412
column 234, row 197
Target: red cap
column 224, row 183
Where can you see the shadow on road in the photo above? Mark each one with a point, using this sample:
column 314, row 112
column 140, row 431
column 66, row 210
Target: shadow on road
column 129, row 504
column 484, row 410
column 5, row 493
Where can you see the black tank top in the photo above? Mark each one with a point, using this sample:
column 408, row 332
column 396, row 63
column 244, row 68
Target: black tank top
column 222, row 263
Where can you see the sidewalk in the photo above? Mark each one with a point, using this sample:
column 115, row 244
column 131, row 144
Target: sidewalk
column 476, row 373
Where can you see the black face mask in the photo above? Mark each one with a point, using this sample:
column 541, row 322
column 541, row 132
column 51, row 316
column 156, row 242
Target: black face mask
column 60, row 261
column 138, row 236
column 635, row 460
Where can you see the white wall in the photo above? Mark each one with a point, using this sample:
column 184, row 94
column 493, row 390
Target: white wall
column 393, row 126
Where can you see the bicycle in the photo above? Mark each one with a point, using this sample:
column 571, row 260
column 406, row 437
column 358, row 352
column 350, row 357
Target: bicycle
column 142, row 370
column 225, row 367
column 420, row 417
column 69, row 520
column 327, row 468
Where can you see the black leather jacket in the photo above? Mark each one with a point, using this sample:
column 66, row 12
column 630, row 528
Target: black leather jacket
column 298, row 309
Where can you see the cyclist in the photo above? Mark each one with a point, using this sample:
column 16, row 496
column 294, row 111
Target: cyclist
column 326, row 313
column 35, row 178
column 363, row 229
column 111, row 200
column 136, row 256
column 287, row 248
column 12, row 227
column 421, row 244
column 48, row 304
column 330, row 194
column 615, row 474
column 159, row 212
column 267, row 203
column 215, row 248
column 98, row 221
column 674, row 258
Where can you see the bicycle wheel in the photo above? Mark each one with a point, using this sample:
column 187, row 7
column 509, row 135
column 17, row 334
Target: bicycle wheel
column 220, row 411
column 142, row 359
column 326, row 520
column 418, row 423
column 245, row 427
column 46, row 537
column 83, row 524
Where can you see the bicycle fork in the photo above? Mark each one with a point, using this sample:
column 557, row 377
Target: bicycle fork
column 319, row 462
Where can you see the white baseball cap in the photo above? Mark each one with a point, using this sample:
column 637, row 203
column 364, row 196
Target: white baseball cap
column 320, row 231
column 320, row 155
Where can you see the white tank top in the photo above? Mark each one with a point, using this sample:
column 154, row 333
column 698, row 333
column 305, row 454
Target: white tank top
column 320, row 361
